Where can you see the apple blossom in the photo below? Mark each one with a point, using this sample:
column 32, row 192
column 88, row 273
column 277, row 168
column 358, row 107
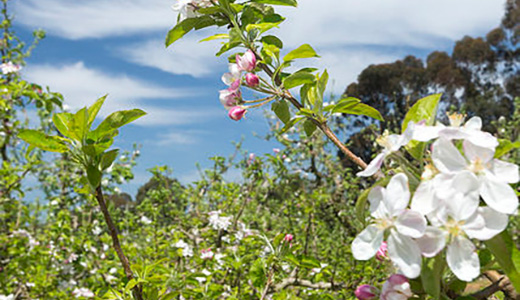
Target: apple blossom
column 396, row 287
column 187, row 251
column 493, row 175
column 382, row 253
column 388, row 207
column 232, row 78
column 230, row 97
column 206, row 253
column 366, row 292
column 246, row 62
column 8, row 297
column 252, row 80
column 187, row 8
column 237, row 113
column 391, row 143
column 218, row 222
column 9, row 67
column 83, row 292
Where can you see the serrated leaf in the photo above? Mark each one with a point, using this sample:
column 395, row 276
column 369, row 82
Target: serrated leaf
column 364, row 110
column 93, row 176
column 117, row 120
column 310, row 262
column 263, row 27
column 304, row 51
column 94, row 110
column 41, row 140
column 290, row 124
column 62, row 121
column 344, row 104
column 272, row 40
column 215, row 37
column 78, row 124
column 297, row 79
column 179, row 30
column 281, row 109
column 108, row 158
column 278, row 2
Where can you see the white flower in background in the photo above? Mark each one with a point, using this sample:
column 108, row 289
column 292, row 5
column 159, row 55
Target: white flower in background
column 470, row 131
column 82, row 292
column 218, row 222
column 493, row 175
column 206, row 253
column 388, row 207
column 8, row 297
column 187, row 251
column 451, row 222
column 187, row 8
column 145, row 220
column 318, row 270
column 9, row 67
column 396, row 287
column 97, row 230
column 391, row 144
column 243, row 231
column 206, row 272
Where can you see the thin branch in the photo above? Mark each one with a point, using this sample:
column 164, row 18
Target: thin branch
column 292, row 281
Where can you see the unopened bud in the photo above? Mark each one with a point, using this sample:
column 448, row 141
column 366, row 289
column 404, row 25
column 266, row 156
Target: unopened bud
column 382, row 252
column 366, row 292
column 237, row 112
column 252, row 80
column 288, row 238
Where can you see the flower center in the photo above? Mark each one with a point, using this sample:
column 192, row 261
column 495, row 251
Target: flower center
column 456, row 119
column 384, row 141
column 454, row 227
column 477, row 166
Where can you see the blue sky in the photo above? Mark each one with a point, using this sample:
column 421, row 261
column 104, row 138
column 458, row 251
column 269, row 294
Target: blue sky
column 95, row 47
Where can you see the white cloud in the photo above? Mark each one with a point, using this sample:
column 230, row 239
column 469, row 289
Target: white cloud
column 96, row 18
column 179, row 137
column 186, row 56
column 81, row 85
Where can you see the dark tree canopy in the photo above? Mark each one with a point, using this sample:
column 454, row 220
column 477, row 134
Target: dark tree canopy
column 481, row 77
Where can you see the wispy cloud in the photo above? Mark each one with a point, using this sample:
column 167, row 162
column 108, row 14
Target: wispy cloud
column 96, row 18
column 186, row 56
column 81, row 85
column 179, row 137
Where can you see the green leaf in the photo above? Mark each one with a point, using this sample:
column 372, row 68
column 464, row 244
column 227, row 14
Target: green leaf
column 78, row 124
column 309, row 127
column 215, row 37
column 361, row 206
column 180, row 30
column 364, row 110
column 281, row 109
column 108, row 158
column 322, row 82
column 310, row 262
column 424, row 109
column 94, row 110
column 117, row 120
column 298, row 79
column 93, row 176
column 272, row 40
column 344, row 105
column 278, row 2
column 263, row 27
column 505, row 146
column 41, row 140
column 290, row 124
column 431, row 275
column 304, row 51
column 507, row 256
column 62, row 123
column 258, row 274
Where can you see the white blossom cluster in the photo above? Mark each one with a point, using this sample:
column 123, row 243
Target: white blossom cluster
column 188, row 8
column 187, row 250
column 464, row 194
column 217, row 221
column 9, row 67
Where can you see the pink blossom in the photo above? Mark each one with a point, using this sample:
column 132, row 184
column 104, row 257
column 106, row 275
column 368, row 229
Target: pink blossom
column 206, row 253
column 382, row 252
column 276, row 150
column 236, row 113
column 252, row 80
column 366, row 292
column 246, row 62
column 251, row 158
column 288, row 238
column 396, row 287
column 230, row 97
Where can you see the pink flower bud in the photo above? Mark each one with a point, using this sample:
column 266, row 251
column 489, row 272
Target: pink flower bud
column 288, row 238
column 252, row 80
column 382, row 252
column 246, row 62
column 251, row 158
column 276, row 150
column 366, row 292
column 230, row 98
column 236, row 113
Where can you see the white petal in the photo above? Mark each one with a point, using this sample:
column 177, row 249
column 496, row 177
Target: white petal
column 500, row 196
column 366, row 244
column 494, row 223
column 424, row 133
column 462, row 206
column 405, row 253
column 474, row 152
column 423, row 198
column 505, row 171
column 452, row 133
column 475, row 123
column 432, row 242
column 373, row 166
column 375, row 198
column 446, row 157
column 397, row 194
column 482, row 139
column 411, row 223
column 462, row 259
column 228, row 78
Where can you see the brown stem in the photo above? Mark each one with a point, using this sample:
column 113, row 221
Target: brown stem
column 306, row 283
column 115, row 242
